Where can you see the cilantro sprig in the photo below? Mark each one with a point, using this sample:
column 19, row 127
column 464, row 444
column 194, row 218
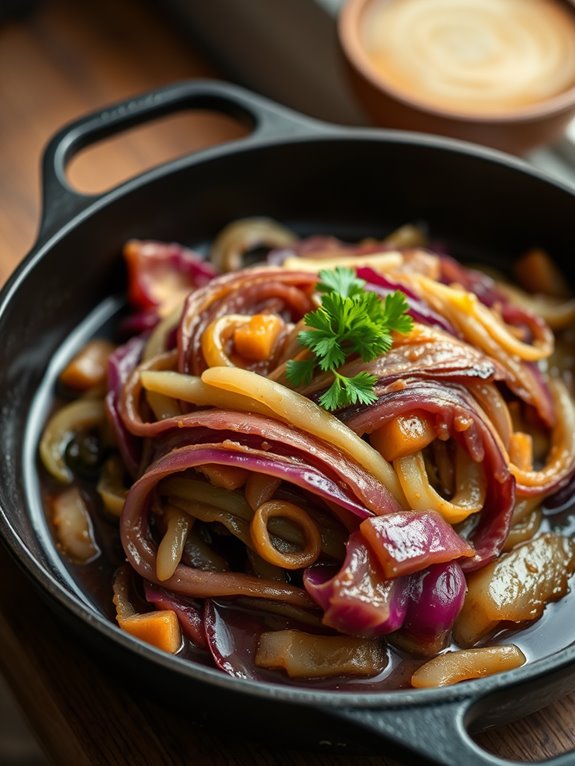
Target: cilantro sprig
column 350, row 321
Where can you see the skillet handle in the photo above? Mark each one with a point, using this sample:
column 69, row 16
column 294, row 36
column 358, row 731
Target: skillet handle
column 437, row 733
column 267, row 120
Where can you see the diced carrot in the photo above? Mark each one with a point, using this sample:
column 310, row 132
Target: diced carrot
column 521, row 450
column 226, row 476
column 256, row 339
column 403, row 436
column 160, row 629
column 89, row 368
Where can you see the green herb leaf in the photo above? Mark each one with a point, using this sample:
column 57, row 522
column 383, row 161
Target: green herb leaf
column 350, row 321
column 345, row 391
column 300, row 371
column 395, row 310
column 340, row 280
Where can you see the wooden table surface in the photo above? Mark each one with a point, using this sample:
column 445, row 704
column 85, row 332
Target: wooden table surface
column 64, row 60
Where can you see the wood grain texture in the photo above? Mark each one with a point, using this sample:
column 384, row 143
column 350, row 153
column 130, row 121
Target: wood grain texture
column 67, row 59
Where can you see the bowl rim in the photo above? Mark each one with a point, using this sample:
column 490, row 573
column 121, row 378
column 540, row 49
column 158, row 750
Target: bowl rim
column 354, row 51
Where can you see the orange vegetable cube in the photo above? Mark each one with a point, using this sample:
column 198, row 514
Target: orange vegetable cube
column 521, row 450
column 160, row 629
column 403, row 436
column 256, row 339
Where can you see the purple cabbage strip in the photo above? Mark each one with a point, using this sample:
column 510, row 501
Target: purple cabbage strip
column 140, row 547
column 563, row 497
column 472, row 280
column 359, row 600
column 436, row 596
column 261, row 433
column 191, row 264
column 137, row 323
column 407, row 541
column 231, row 638
column 418, row 310
column 121, row 364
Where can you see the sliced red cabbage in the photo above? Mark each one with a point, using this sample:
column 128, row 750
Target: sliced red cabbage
column 359, row 600
column 418, row 310
column 408, row 541
column 121, row 364
column 160, row 273
column 436, row 596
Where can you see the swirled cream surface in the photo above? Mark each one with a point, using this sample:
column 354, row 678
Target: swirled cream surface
column 478, row 57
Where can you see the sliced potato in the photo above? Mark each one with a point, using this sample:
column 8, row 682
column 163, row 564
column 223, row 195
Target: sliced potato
column 465, row 664
column 516, row 587
column 305, row 655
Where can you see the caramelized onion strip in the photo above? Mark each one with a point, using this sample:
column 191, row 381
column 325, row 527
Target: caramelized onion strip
column 561, row 457
column 262, row 541
column 191, row 389
column 156, row 343
column 215, row 337
column 465, row 664
column 194, row 491
column 111, row 486
column 243, row 235
column 245, row 391
column 469, row 480
column 171, row 547
column 481, row 326
column 495, row 407
column 557, row 313
column 260, row 488
column 162, row 406
column 385, row 262
column 79, row 415
column 208, row 513
column 129, row 403
column 73, row 526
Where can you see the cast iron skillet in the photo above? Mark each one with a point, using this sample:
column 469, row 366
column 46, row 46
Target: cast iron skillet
column 319, row 178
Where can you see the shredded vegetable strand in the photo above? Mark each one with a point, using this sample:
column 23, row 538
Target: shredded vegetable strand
column 470, row 487
column 301, row 412
column 345, row 452
column 215, row 337
column 172, row 544
column 481, row 325
column 561, row 459
column 263, row 544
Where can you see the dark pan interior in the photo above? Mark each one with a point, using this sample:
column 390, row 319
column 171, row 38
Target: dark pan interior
column 347, row 185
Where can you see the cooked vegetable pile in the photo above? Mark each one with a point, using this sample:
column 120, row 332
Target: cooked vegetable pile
column 337, row 467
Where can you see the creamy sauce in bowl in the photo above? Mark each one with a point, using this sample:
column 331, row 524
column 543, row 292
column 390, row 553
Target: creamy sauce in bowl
column 475, row 57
